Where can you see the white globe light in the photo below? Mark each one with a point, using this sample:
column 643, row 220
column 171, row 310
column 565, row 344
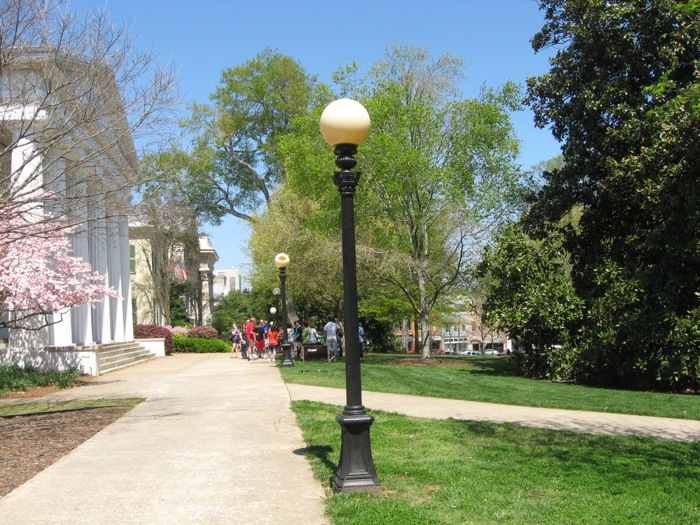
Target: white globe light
column 345, row 121
column 273, row 310
column 282, row 260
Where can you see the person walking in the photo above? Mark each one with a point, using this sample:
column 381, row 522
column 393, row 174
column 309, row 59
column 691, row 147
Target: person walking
column 272, row 342
column 259, row 340
column 235, row 340
column 249, row 338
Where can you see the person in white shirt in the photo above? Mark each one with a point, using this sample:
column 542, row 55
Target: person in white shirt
column 330, row 333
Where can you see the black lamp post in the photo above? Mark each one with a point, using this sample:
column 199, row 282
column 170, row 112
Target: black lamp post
column 282, row 261
column 345, row 125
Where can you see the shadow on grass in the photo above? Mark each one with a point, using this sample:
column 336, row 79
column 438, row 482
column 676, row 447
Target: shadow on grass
column 618, row 458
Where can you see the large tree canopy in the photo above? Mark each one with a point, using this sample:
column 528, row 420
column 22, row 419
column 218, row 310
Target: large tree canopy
column 438, row 172
column 623, row 96
column 235, row 159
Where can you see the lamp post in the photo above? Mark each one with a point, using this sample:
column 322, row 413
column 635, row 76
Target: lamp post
column 345, row 125
column 282, row 261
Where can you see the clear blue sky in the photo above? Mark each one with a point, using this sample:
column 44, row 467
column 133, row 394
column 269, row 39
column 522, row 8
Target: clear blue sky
column 201, row 38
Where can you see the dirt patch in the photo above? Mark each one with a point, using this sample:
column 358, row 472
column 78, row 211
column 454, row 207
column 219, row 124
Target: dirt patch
column 40, row 391
column 29, row 444
column 433, row 361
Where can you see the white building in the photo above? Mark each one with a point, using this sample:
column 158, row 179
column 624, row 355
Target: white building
column 152, row 273
column 207, row 259
column 90, row 164
column 225, row 281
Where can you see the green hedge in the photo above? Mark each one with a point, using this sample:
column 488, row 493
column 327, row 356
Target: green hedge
column 199, row 345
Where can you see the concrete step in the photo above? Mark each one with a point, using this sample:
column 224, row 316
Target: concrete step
column 113, row 356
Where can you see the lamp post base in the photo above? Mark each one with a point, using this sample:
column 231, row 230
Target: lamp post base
column 287, row 355
column 356, row 471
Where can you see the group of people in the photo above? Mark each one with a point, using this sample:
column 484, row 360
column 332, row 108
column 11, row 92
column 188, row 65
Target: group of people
column 261, row 340
column 255, row 341
column 307, row 334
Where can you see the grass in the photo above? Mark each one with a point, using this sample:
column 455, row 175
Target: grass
column 462, row 472
column 492, row 380
column 25, row 409
column 14, row 378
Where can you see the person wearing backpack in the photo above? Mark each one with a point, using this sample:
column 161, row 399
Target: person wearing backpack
column 297, row 337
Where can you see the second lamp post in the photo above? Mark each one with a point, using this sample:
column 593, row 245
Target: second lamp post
column 282, row 261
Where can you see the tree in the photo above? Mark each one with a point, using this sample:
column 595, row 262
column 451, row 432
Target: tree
column 531, row 297
column 39, row 278
column 236, row 163
column 67, row 76
column 622, row 96
column 74, row 94
column 438, row 174
column 441, row 172
column 170, row 228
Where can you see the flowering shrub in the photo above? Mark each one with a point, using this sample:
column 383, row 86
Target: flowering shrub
column 203, row 332
column 146, row 331
column 182, row 330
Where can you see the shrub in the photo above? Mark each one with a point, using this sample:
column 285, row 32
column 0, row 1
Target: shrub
column 182, row 330
column 200, row 345
column 15, row 378
column 203, row 332
column 147, row 331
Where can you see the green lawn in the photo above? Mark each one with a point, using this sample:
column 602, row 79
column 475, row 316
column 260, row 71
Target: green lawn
column 493, row 380
column 462, row 472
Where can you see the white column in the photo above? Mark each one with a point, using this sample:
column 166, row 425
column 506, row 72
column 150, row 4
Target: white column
column 116, row 267
column 82, row 333
column 99, row 256
column 126, row 280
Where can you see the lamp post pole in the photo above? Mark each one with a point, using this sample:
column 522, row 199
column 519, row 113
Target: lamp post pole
column 345, row 125
column 282, row 261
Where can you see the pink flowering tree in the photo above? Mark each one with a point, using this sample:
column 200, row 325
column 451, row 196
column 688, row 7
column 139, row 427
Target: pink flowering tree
column 40, row 277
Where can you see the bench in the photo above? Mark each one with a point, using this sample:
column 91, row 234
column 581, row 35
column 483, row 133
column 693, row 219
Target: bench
column 314, row 351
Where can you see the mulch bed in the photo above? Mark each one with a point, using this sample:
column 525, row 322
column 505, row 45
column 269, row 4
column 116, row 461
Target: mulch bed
column 433, row 361
column 29, row 444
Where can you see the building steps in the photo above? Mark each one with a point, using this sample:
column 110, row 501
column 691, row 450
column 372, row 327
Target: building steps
column 113, row 356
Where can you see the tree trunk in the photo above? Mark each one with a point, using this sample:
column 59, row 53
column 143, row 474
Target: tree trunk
column 404, row 335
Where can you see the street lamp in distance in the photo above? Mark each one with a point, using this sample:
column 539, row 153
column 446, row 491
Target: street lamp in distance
column 282, row 261
column 345, row 125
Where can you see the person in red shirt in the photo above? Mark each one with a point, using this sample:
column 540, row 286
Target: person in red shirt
column 272, row 342
column 249, row 338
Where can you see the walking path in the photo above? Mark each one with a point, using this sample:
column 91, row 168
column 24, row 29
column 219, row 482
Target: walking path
column 552, row 418
column 216, row 442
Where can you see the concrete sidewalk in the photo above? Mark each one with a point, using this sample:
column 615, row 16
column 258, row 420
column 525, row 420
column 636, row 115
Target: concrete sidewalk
column 215, row 442
column 555, row 419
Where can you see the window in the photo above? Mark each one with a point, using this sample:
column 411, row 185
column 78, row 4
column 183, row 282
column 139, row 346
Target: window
column 132, row 259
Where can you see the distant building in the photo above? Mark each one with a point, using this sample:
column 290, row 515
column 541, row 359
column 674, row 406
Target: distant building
column 151, row 279
column 226, row 281
column 207, row 259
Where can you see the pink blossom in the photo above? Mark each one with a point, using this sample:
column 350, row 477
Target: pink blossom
column 38, row 274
